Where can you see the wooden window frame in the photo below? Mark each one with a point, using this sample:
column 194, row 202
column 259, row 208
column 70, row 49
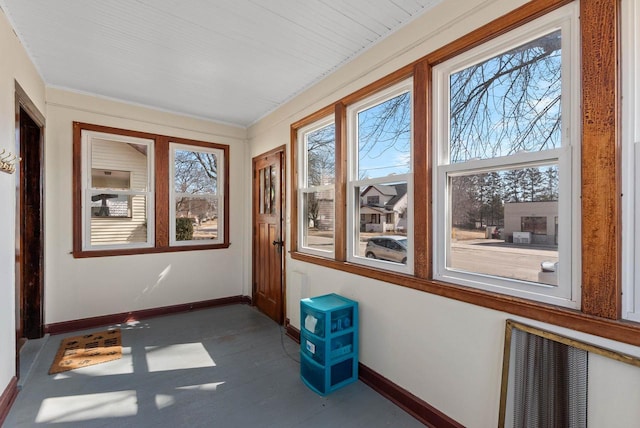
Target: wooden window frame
column 88, row 147
column 302, row 167
column 218, row 195
column 564, row 156
column 160, row 210
column 601, row 267
column 354, row 182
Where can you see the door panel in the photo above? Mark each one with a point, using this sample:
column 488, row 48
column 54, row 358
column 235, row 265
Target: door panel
column 268, row 293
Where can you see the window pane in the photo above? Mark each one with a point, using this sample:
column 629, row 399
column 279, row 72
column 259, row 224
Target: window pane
column 117, row 165
column 118, row 213
column 383, row 224
column 384, row 138
column 110, row 179
column 196, row 218
column 535, row 225
column 261, row 199
column 110, row 204
column 504, row 223
column 272, row 189
column 108, row 228
column 196, row 194
column 321, row 156
column 318, row 229
column 195, row 172
column 507, row 104
column 267, row 190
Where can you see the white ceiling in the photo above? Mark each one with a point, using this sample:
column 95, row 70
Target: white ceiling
column 231, row 61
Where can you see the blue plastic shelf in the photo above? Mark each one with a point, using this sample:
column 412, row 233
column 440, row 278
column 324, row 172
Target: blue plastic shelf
column 328, row 342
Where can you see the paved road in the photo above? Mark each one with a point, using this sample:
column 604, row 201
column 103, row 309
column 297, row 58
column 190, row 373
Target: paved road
column 486, row 256
column 493, row 257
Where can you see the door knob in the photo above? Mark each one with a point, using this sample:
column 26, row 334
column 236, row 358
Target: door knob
column 279, row 243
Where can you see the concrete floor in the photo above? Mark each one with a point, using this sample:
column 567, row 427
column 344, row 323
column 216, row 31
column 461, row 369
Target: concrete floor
column 222, row 367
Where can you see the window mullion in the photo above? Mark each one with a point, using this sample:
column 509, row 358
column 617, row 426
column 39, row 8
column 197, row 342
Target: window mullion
column 601, row 201
column 162, row 197
column 340, row 194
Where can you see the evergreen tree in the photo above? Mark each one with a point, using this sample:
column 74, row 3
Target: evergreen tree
column 550, row 192
column 513, row 185
column 493, row 204
column 534, row 182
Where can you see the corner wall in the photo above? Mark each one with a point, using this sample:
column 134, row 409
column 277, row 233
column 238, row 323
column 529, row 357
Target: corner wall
column 15, row 65
column 89, row 287
column 446, row 352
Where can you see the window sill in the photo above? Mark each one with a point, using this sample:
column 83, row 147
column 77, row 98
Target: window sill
column 618, row 330
column 152, row 250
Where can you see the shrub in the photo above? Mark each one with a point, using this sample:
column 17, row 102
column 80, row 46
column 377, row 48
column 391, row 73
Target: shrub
column 184, row 229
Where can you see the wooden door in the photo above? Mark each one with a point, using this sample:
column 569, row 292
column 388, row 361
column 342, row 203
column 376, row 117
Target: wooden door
column 268, row 243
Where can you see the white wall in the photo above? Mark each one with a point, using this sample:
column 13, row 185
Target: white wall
column 80, row 288
column 14, row 65
column 444, row 351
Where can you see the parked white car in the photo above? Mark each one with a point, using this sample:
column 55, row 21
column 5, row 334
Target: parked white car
column 391, row 248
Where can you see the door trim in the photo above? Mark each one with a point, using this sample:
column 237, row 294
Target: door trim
column 24, row 105
column 283, row 231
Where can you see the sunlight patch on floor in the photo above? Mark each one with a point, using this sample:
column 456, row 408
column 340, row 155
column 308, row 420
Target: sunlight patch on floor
column 164, row 400
column 203, row 387
column 178, row 357
column 75, row 408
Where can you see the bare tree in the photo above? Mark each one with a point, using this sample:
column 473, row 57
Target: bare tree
column 508, row 103
column 384, row 132
column 313, row 209
column 501, row 106
column 321, row 156
column 195, row 173
column 321, row 167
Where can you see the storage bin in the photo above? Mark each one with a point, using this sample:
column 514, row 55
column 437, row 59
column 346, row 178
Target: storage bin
column 311, row 347
column 313, row 375
column 312, row 321
column 341, row 345
column 328, row 342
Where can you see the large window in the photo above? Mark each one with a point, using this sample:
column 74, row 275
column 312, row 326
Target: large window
column 505, row 160
column 316, row 188
column 196, row 194
column 506, row 146
column 118, row 191
column 137, row 192
column 379, row 184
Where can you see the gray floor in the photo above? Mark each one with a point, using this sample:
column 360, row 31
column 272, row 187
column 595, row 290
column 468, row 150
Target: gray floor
column 223, row 367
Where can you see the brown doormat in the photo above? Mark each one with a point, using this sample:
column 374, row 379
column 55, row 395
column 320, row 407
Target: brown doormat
column 87, row 350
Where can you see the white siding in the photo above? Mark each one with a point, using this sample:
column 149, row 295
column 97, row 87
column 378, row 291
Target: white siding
column 121, row 157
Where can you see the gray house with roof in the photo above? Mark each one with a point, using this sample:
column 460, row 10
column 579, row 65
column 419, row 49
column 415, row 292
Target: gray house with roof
column 383, row 208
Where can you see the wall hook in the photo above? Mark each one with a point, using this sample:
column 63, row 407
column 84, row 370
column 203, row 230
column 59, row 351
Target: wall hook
column 8, row 162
